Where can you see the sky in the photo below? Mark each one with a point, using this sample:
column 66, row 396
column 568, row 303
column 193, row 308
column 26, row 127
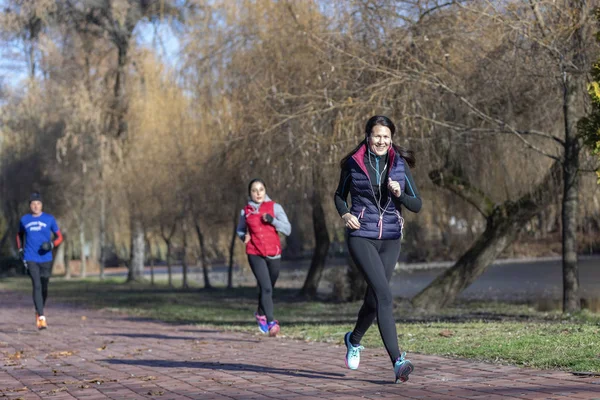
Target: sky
column 160, row 37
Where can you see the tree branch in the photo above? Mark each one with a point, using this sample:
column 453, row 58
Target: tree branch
column 435, row 8
column 589, row 171
column 467, row 129
column 463, row 189
column 437, row 82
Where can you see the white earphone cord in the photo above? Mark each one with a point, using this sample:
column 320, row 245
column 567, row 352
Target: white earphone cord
column 380, row 176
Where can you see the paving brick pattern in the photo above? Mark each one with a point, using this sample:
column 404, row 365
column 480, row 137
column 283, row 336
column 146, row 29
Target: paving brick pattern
column 93, row 355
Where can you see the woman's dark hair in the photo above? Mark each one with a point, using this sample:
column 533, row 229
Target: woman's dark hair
column 253, row 181
column 382, row 120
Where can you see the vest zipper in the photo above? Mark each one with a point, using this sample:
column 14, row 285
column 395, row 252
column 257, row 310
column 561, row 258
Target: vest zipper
column 362, row 213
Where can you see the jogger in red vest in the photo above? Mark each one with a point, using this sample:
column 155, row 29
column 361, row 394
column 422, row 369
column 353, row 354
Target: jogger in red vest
column 259, row 224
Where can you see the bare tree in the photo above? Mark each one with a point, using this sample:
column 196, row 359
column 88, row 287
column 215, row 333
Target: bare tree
column 470, row 107
column 234, row 238
column 504, row 222
column 167, row 235
column 317, row 265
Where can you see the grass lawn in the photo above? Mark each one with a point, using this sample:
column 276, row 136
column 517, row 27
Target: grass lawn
column 497, row 332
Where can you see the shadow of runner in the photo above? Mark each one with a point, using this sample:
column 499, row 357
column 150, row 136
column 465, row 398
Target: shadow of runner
column 159, row 336
column 22, row 331
column 228, row 367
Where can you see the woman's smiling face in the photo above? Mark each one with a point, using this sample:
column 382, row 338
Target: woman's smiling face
column 380, row 140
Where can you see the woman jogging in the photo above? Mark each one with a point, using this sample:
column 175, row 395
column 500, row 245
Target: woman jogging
column 35, row 245
column 259, row 224
column 377, row 176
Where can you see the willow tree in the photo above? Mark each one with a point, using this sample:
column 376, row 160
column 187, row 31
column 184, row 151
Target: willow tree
column 546, row 36
column 156, row 172
column 116, row 21
column 260, row 64
column 468, row 76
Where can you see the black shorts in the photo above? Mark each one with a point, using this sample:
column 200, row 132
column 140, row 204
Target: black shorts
column 43, row 269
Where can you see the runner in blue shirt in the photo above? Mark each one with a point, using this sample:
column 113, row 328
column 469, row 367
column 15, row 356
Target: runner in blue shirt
column 35, row 245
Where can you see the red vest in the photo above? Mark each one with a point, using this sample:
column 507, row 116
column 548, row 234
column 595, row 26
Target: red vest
column 264, row 239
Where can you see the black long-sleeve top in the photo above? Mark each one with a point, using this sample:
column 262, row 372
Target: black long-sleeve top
column 377, row 168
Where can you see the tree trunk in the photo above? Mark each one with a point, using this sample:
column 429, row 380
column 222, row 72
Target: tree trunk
column 83, row 264
column 67, row 255
column 571, row 299
column 31, row 55
column 185, row 256
column 167, row 238
column 93, row 253
column 231, row 252
column 102, row 260
column 322, row 241
column 151, row 260
column 169, row 262
column 207, row 284
column 59, row 256
column 118, row 121
column 34, row 25
column 503, row 225
column 136, row 264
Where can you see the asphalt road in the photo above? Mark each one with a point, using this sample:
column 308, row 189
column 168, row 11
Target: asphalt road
column 509, row 281
column 513, row 280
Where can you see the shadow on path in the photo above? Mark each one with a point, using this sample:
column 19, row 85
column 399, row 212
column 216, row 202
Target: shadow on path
column 228, row 367
column 168, row 337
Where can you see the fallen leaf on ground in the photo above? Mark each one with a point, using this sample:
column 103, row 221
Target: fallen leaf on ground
column 54, row 391
column 58, row 354
column 16, row 356
column 23, row 389
column 99, row 381
column 11, row 363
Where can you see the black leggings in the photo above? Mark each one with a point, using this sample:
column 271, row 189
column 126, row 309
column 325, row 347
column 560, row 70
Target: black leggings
column 376, row 259
column 40, row 276
column 266, row 271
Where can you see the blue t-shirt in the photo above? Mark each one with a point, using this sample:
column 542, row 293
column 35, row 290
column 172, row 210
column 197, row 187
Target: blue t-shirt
column 37, row 231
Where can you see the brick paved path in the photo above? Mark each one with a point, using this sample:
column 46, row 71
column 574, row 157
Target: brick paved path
column 108, row 356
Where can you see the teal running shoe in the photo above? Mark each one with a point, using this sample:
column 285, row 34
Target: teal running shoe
column 352, row 353
column 402, row 368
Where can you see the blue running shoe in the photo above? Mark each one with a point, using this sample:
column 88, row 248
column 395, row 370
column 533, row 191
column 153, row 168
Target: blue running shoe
column 352, row 353
column 261, row 320
column 402, row 368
